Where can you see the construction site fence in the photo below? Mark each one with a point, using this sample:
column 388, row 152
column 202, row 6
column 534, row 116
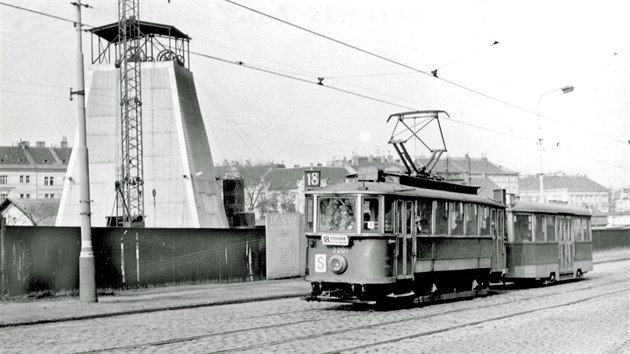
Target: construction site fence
column 46, row 259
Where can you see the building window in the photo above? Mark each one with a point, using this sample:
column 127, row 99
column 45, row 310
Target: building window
column 3, row 179
column 3, row 196
column 49, row 181
column 25, row 179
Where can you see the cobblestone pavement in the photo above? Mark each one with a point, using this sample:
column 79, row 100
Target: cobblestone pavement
column 588, row 316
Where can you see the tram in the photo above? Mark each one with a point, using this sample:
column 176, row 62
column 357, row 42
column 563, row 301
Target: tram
column 411, row 235
column 375, row 238
column 548, row 242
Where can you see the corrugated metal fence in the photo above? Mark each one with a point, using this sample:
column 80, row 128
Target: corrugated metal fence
column 47, row 258
column 610, row 238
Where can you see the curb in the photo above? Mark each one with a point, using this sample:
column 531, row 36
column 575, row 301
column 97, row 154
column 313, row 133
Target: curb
column 154, row 309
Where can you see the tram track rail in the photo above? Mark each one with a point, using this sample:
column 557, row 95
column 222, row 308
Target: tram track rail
column 345, row 308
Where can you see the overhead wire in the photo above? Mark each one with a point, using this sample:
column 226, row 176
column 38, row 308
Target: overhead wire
column 41, row 13
column 269, row 71
column 477, row 92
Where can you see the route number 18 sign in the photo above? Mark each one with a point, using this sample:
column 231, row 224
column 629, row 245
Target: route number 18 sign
column 312, row 179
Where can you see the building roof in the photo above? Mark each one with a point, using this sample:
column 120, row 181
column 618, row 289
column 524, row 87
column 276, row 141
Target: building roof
column 31, row 158
column 287, row 178
column 42, row 212
column 570, row 183
column 486, row 186
column 458, row 165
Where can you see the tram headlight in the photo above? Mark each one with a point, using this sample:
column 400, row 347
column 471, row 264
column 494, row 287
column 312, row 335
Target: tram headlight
column 338, row 263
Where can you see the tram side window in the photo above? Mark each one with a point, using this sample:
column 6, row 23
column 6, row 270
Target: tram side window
column 336, row 214
column 423, row 217
column 370, row 214
column 484, row 216
column 441, row 218
column 577, row 229
column 550, row 223
column 472, row 219
column 586, row 225
column 308, row 213
column 501, row 223
column 456, row 218
column 540, row 228
column 522, row 227
column 389, row 216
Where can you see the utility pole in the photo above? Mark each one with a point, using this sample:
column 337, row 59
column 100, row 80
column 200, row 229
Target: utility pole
column 87, row 277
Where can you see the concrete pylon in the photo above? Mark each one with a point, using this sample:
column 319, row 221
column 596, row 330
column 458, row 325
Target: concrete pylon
column 177, row 160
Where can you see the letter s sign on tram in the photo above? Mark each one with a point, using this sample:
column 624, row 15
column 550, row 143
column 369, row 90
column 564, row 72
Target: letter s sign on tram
column 312, row 179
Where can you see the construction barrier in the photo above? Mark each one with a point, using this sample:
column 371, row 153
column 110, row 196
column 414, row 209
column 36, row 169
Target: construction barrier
column 47, row 258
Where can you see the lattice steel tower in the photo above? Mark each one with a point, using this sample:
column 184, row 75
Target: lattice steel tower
column 130, row 184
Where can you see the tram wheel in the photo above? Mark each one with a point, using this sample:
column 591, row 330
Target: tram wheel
column 552, row 278
column 579, row 274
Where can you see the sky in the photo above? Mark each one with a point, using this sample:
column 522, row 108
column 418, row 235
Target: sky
column 495, row 94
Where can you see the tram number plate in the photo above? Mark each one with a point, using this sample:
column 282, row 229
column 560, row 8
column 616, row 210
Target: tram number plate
column 335, row 240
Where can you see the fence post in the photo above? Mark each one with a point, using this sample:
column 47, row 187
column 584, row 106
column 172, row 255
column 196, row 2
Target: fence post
column 4, row 288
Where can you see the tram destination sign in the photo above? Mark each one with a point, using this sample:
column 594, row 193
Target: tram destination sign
column 335, row 240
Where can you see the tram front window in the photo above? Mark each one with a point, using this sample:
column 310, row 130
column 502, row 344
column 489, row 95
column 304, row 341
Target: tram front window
column 337, row 214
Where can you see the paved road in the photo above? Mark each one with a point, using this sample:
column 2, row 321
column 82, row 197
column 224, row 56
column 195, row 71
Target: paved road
column 588, row 316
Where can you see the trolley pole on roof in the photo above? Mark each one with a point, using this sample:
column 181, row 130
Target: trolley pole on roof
column 87, row 277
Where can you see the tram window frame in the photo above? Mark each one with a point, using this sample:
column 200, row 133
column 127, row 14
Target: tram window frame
column 485, row 219
column 441, row 217
column 471, row 219
column 456, row 219
column 424, row 212
column 518, row 224
column 539, row 222
column 374, row 205
column 309, row 213
column 551, row 237
column 336, row 218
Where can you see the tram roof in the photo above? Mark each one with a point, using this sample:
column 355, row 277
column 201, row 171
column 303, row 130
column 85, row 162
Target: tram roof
column 531, row 207
column 402, row 190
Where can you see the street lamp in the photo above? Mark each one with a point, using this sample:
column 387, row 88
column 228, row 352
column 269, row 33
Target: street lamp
column 565, row 90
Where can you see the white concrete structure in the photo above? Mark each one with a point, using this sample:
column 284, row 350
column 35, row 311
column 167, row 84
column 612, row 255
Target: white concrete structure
column 177, row 160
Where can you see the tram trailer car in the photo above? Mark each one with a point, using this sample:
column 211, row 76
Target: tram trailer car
column 372, row 239
column 548, row 242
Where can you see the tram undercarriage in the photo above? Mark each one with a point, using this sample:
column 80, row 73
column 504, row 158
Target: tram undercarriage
column 424, row 288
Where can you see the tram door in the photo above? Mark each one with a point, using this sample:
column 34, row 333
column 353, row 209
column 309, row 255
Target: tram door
column 405, row 245
column 566, row 246
column 498, row 237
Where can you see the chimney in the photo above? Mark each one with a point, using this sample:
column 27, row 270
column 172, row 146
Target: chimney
column 64, row 142
column 40, row 144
